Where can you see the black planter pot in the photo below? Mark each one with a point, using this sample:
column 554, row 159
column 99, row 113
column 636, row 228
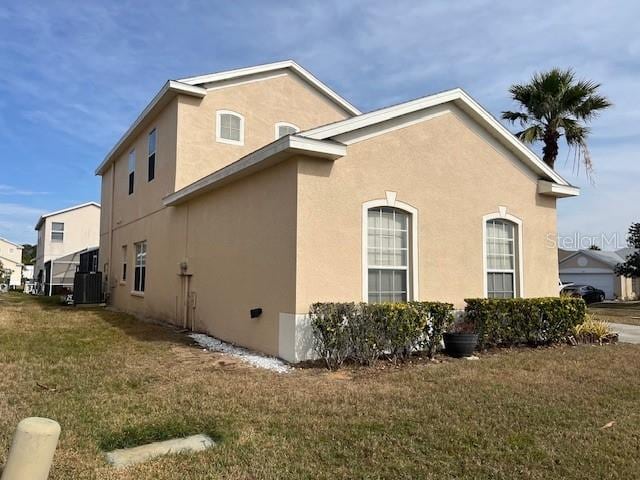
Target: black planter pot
column 460, row 344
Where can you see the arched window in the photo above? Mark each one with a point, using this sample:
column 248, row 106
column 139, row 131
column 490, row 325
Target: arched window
column 388, row 252
column 229, row 127
column 283, row 129
column 502, row 262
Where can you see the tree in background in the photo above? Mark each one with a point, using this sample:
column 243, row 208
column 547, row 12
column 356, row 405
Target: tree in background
column 29, row 254
column 554, row 104
column 4, row 277
column 631, row 267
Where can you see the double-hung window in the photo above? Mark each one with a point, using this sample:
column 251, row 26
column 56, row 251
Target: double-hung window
column 151, row 166
column 388, row 254
column 132, row 169
column 501, row 248
column 140, row 267
column 57, row 231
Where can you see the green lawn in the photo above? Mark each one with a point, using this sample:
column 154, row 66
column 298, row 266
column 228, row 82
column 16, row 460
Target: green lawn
column 113, row 381
column 618, row 312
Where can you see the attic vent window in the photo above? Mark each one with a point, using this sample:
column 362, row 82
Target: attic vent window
column 283, row 129
column 229, row 127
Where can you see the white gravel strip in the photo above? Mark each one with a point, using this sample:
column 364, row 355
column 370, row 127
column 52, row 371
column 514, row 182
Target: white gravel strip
column 252, row 358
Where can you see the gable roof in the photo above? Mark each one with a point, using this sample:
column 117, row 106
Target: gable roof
column 64, row 210
column 464, row 101
column 197, row 87
column 610, row 259
column 208, row 79
column 12, row 243
column 330, row 138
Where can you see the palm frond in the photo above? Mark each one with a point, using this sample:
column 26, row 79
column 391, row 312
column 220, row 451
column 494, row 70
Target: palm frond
column 513, row 117
column 531, row 134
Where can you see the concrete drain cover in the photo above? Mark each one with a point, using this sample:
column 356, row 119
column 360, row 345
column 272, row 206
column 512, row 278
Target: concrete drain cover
column 131, row 456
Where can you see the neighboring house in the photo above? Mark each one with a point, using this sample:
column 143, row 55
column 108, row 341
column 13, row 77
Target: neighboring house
column 27, row 273
column 62, row 234
column 237, row 199
column 596, row 268
column 11, row 260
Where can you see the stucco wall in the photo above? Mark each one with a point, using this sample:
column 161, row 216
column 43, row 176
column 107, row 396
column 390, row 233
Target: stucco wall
column 283, row 97
column 239, row 245
column 454, row 174
column 11, row 258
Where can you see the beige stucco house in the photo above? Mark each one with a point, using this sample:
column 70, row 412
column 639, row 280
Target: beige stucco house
column 61, row 234
column 11, row 261
column 262, row 189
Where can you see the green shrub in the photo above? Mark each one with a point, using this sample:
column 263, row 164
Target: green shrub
column 364, row 332
column 530, row 321
column 331, row 335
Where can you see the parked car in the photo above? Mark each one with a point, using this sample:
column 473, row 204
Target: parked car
column 588, row 293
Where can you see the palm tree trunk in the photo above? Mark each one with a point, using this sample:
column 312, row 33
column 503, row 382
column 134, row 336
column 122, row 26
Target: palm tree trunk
column 550, row 149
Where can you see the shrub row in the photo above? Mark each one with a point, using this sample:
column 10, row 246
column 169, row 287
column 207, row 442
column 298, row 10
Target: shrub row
column 365, row 332
column 518, row 321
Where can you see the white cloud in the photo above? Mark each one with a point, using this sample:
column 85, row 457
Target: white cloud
column 17, row 222
column 15, row 191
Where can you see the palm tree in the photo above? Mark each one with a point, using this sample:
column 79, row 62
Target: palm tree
column 554, row 104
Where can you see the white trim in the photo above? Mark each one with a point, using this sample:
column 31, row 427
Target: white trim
column 555, row 190
column 413, row 290
column 586, row 270
column 168, row 91
column 9, row 241
column 266, row 156
column 219, row 138
column 286, row 64
column 463, row 101
column 236, row 82
column 284, row 124
column 295, row 337
column 64, row 210
column 502, row 214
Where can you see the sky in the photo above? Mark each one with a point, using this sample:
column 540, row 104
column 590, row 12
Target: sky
column 76, row 74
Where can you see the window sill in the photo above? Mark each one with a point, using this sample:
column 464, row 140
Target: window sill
column 137, row 294
column 239, row 143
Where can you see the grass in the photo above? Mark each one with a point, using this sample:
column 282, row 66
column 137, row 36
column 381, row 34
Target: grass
column 618, row 312
column 112, row 381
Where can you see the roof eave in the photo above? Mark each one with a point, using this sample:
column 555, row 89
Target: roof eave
column 269, row 67
column 463, row 101
column 267, row 156
column 552, row 189
column 168, row 91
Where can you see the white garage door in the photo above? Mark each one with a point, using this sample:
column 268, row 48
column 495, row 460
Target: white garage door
column 603, row 281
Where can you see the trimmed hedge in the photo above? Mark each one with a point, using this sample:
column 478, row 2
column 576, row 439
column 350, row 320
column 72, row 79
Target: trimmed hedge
column 365, row 332
column 518, row 321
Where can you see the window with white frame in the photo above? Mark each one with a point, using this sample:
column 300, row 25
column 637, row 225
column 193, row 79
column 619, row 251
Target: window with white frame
column 57, row 231
column 388, row 255
column 151, row 164
column 132, row 169
column 283, row 129
column 501, row 250
column 140, row 271
column 229, row 127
